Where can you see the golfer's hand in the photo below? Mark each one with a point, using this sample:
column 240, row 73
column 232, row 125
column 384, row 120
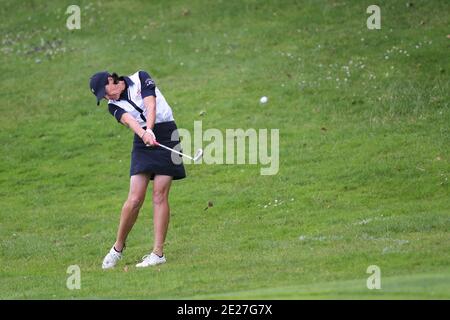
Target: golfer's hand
column 149, row 138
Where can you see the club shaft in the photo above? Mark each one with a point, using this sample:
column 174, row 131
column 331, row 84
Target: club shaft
column 173, row 150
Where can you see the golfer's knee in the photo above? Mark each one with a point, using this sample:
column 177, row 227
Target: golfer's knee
column 135, row 202
column 159, row 197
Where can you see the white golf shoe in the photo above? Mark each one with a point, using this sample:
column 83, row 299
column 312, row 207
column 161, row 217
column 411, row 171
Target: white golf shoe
column 151, row 260
column 111, row 259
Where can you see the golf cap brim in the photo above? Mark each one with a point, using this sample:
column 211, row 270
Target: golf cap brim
column 97, row 84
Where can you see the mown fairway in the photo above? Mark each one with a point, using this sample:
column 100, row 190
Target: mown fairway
column 364, row 149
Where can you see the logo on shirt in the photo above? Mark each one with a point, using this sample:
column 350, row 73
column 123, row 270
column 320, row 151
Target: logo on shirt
column 149, row 82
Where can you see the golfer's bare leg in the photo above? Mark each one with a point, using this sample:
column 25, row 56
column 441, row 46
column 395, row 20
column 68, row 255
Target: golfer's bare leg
column 130, row 210
column 161, row 211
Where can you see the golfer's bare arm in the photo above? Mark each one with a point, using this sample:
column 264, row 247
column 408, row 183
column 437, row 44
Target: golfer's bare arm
column 150, row 105
column 129, row 121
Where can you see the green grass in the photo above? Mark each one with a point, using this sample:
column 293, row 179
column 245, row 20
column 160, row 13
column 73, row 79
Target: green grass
column 364, row 149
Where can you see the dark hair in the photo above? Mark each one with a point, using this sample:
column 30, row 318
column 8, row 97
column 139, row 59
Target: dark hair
column 116, row 78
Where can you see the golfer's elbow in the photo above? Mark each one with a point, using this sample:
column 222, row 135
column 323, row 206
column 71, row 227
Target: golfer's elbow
column 125, row 119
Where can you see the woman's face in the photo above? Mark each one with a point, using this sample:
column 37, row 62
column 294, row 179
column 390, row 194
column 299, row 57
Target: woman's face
column 113, row 90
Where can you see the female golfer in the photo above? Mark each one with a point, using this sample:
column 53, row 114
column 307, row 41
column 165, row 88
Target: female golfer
column 137, row 103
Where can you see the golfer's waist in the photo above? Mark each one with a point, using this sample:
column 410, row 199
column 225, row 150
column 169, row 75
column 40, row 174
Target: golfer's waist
column 163, row 126
column 164, row 132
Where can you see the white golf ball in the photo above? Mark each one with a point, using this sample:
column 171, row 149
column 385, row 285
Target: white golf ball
column 263, row 99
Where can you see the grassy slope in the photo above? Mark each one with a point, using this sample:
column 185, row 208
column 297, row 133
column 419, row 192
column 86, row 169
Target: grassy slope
column 365, row 160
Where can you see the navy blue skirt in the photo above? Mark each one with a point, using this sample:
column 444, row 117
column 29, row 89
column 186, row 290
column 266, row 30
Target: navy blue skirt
column 156, row 160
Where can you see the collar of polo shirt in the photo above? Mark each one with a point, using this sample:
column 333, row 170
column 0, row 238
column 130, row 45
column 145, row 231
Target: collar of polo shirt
column 128, row 81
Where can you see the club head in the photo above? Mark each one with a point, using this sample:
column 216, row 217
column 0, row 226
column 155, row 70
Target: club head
column 198, row 154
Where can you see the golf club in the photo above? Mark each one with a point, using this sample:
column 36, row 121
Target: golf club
column 197, row 155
